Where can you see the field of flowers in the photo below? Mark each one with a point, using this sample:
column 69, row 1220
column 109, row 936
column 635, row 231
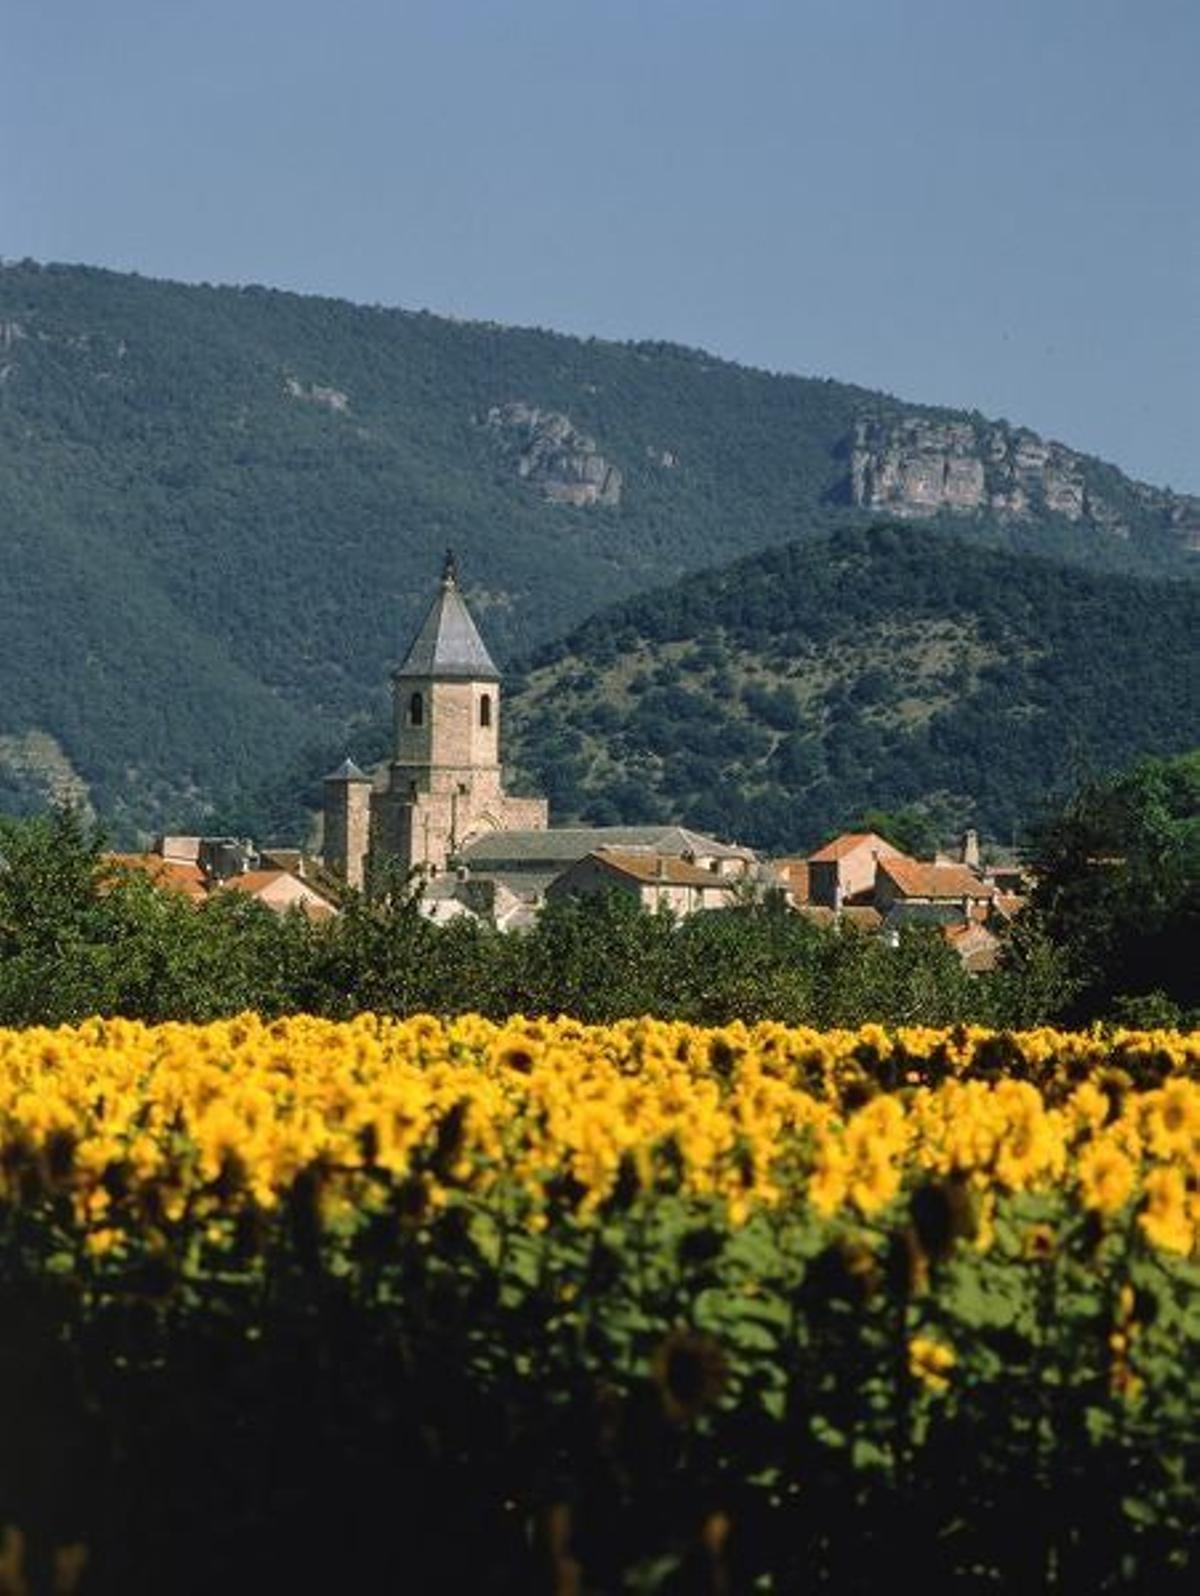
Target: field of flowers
column 646, row 1306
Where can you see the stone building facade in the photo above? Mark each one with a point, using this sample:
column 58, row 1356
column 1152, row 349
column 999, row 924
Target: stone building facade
column 444, row 783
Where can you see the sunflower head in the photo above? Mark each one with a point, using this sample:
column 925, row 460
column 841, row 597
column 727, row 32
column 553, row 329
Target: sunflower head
column 857, row 1091
column 1116, row 1085
column 516, row 1056
column 690, row 1370
column 1039, row 1243
column 930, row 1363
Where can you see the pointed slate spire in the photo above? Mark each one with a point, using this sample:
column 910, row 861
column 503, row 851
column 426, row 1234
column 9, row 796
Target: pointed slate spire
column 348, row 771
column 448, row 644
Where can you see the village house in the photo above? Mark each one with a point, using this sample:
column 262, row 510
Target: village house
column 655, row 880
column 198, row 867
column 903, row 881
column 860, row 879
column 279, row 890
column 527, row 862
column 844, row 870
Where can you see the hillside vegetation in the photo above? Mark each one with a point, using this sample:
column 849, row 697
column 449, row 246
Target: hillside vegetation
column 222, row 510
column 780, row 697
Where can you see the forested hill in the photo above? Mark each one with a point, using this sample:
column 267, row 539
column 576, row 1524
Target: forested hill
column 893, row 668
column 222, row 509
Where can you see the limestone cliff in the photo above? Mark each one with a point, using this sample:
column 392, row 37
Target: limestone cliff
column 316, row 393
column 914, row 466
column 550, row 452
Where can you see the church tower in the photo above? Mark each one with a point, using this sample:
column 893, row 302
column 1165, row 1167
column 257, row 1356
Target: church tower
column 444, row 780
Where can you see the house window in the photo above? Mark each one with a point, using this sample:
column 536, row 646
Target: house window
column 485, row 710
column 416, row 710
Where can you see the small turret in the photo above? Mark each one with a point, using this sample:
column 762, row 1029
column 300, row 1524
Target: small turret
column 347, row 811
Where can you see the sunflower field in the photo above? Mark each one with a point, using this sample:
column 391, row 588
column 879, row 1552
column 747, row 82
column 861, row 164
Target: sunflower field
column 452, row 1305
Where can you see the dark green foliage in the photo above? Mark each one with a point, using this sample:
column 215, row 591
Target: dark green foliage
column 1118, row 890
column 907, row 829
column 210, row 566
column 77, row 938
column 656, row 1400
column 885, row 671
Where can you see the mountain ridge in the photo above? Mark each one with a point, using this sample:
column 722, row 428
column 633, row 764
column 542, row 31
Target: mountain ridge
column 231, row 504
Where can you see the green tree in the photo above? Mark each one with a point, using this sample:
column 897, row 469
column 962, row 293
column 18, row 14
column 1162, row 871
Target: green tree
column 599, row 957
column 909, row 829
column 1118, row 885
column 57, row 933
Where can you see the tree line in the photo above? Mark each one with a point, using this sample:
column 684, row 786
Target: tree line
column 1107, row 935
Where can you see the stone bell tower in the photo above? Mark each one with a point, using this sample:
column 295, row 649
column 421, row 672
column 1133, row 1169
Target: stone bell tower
column 444, row 783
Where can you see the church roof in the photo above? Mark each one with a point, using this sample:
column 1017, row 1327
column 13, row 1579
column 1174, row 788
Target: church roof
column 566, row 844
column 448, row 643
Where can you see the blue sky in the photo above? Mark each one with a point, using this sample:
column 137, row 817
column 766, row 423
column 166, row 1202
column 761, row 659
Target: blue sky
column 963, row 202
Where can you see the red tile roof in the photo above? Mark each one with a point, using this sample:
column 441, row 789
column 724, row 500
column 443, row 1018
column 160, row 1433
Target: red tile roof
column 172, row 874
column 657, row 867
column 1010, row 903
column 977, row 947
column 847, row 843
column 917, row 880
column 252, row 882
column 256, row 882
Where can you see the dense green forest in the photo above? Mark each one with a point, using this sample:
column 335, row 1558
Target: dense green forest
column 1118, row 870
column 222, row 509
column 781, row 697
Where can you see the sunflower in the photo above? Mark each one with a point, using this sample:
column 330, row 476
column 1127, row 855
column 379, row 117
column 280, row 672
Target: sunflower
column 1039, row 1243
column 1106, row 1177
column 930, row 1362
column 690, row 1370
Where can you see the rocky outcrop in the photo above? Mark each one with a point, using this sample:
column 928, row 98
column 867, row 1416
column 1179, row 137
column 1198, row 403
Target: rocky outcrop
column 917, row 467
column 551, row 453
column 315, row 394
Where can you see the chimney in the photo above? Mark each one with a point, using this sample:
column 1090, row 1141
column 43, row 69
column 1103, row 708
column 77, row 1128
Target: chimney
column 970, row 849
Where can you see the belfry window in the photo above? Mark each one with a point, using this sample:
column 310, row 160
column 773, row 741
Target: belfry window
column 485, row 710
column 416, row 710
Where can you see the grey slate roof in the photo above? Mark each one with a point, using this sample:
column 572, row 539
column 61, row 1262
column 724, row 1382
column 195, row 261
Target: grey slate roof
column 348, row 771
column 565, row 844
column 448, row 644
